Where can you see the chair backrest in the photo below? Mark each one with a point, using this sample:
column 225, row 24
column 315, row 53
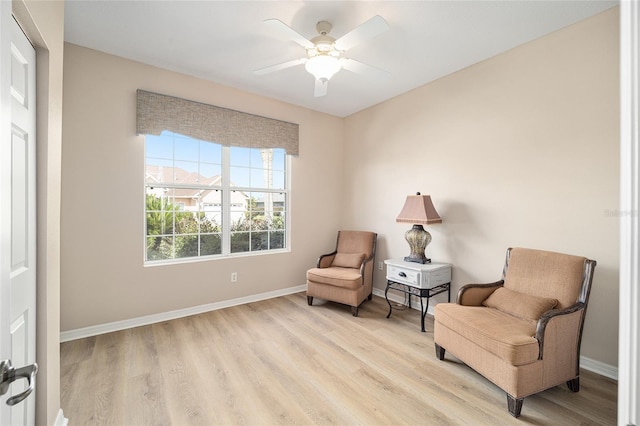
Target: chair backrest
column 356, row 242
column 563, row 277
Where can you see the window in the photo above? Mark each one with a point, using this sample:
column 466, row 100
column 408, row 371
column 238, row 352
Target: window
column 205, row 199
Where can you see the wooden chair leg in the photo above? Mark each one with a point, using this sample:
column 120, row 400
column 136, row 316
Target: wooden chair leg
column 514, row 405
column 354, row 311
column 439, row 352
column 309, row 300
column 370, row 296
column 574, row 384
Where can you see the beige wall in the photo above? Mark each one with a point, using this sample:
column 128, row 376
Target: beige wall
column 103, row 275
column 43, row 22
column 519, row 150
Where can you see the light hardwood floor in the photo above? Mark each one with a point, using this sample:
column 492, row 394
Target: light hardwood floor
column 280, row 361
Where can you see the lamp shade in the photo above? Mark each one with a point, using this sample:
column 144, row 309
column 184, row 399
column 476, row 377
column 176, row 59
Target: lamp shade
column 418, row 209
column 323, row 66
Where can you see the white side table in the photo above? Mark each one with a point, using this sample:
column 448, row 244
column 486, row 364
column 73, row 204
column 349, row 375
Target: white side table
column 417, row 279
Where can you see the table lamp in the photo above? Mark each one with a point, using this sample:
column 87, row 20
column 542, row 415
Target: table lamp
column 418, row 210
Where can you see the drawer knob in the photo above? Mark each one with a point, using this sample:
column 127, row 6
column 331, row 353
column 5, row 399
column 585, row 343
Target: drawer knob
column 402, row 274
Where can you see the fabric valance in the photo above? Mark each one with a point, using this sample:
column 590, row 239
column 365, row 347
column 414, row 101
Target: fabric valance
column 156, row 113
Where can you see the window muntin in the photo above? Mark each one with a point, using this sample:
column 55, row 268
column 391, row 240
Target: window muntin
column 204, row 199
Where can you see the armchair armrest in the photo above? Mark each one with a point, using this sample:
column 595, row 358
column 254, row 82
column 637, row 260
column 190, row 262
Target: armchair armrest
column 546, row 318
column 474, row 294
column 324, row 261
column 363, row 265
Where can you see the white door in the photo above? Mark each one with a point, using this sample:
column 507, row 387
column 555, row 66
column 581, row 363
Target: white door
column 17, row 224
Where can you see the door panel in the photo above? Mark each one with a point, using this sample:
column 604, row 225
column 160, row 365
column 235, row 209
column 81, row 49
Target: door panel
column 19, row 194
column 18, row 221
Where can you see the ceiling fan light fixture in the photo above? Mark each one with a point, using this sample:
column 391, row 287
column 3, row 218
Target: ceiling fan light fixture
column 323, row 67
column 325, row 53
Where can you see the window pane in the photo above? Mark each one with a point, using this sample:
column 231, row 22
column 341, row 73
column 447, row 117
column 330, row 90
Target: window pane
column 276, row 239
column 159, row 146
column 210, row 174
column 279, row 157
column 259, row 179
column 256, row 159
column 186, row 172
column 210, row 223
column 158, row 171
column 159, row 223
column 274, row 203
column 210, row 152
column 211, row 208
column 210, row 244
column 239, row 242
column 259, row 240
column 238, row 206
column 240, row 156
column 278, row 221
column 240, row 176
column 160, row 214
column 186, row 223
column 186, row 246
column 277, row 181
column 159, row 248
column 186, row 149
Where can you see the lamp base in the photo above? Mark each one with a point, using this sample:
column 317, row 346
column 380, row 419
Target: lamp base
column 418, row 240
column 422, row 260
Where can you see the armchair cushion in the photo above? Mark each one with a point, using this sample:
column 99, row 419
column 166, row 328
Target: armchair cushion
column 521, row 305
column 348, row 260
column 509, row 338
column 339, row 277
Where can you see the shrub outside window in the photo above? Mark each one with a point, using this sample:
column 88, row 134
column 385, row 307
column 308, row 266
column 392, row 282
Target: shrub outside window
column 204, row 199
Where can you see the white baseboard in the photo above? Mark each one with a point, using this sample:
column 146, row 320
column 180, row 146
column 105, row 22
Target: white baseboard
column 598, row 367
column 61, row 420
column 95, row 330
column 589, row 364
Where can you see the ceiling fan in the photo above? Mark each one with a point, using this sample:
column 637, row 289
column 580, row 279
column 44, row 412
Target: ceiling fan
column 325, row 54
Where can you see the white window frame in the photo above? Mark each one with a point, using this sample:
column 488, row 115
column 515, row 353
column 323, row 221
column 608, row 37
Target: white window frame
column 226, row 189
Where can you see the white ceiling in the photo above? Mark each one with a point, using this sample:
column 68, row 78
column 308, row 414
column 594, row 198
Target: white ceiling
column 224, row 41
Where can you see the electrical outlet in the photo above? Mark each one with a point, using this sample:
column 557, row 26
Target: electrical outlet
column 380, row 266
column 234, row 277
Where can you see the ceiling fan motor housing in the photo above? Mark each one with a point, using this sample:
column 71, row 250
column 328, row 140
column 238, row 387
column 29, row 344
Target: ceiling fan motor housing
column 323, row 43
column 323, row 27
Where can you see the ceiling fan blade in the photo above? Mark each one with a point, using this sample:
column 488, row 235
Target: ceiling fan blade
column 278, row 67
column 321, row 88
column 289, row 32
column 368, row 30
column 364, row 69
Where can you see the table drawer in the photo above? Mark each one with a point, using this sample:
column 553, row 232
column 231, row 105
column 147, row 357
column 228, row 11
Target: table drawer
column 402, row 275
column 438, row 277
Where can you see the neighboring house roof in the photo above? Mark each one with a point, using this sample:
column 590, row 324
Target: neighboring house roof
column 175, row 175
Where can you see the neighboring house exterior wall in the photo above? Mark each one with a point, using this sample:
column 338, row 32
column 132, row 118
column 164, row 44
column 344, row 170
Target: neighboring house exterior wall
column 195, row 200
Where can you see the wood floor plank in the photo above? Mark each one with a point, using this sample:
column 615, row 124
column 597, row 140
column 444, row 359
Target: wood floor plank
column 282, row 362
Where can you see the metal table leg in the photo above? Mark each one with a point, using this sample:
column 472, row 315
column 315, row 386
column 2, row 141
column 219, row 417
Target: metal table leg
column 386, row 291
column 423, row 313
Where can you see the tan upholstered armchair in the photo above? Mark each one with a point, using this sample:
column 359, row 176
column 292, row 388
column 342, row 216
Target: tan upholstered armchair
column 523, row 332
column 346, row 275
